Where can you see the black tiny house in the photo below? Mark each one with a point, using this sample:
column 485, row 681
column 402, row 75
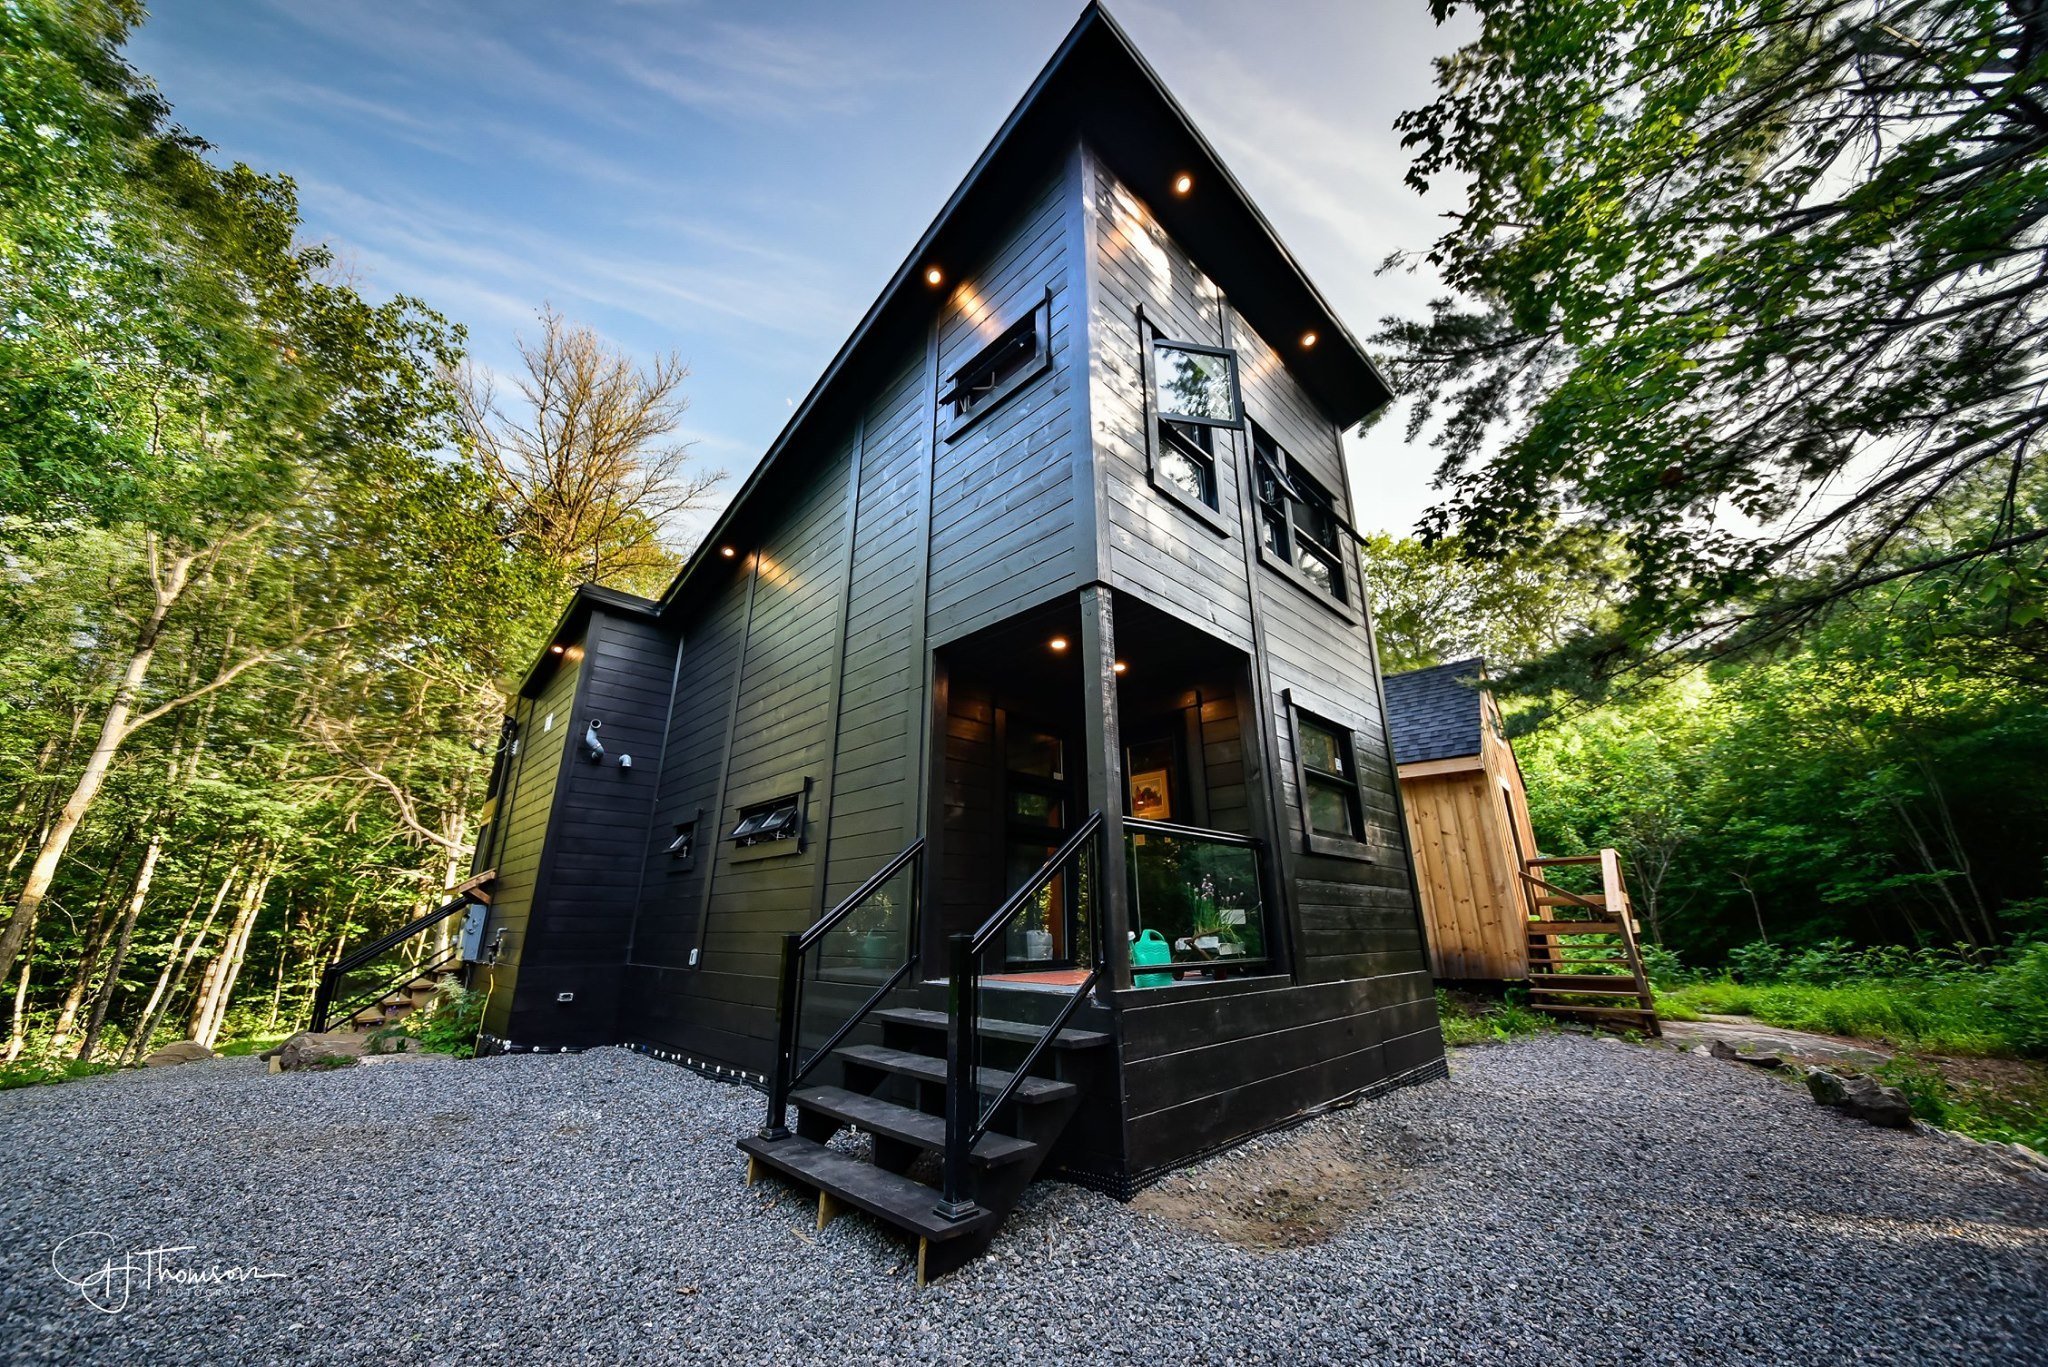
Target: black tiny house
column 1046, row 603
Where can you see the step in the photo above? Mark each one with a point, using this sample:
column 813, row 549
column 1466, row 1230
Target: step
column 1016, row 1032
column 906, row 1204
column 1640, row 1011
column 891, row 1121
column 924, row 1068
column 1585, row 992
column 1590, row 982
column 1575, row 927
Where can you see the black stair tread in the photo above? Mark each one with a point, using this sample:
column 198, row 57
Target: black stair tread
column 1017, row 1032
column 927, row 1069
column 901, row 1122
column 906, row 1204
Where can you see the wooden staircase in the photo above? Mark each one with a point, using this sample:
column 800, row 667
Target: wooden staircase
column 398, row 1003
column 1584, row 961
column 896, row 1093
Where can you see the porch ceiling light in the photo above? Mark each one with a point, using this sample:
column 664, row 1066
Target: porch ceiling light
column 1183, row 183
column 1057, row 643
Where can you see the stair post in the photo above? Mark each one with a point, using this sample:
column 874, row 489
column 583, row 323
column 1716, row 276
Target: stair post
column 788, row 1005
column 963, row 1101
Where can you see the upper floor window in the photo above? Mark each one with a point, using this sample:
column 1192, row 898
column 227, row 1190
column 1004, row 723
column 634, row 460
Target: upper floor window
column 1298, row 518
column 1000, row 369
column 1187, row 460
column 781, row 819
column 1195, row 384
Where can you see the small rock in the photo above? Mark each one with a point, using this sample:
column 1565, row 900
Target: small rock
column 1862, row 1096
column 1722, row 1049
column 184, row 1051
column 335, row 1049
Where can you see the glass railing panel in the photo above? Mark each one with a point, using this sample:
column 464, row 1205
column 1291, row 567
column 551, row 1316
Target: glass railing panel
column 856, row 958
column 1197, row 905
column 1048, row 945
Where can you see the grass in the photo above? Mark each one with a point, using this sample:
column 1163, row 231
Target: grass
column 1951, row 1015
column 32, row 1072
column 1478, row 1020
column 2005, row 1114
column 255, row 1044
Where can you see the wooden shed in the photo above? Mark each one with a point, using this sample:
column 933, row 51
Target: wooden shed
column 1468, row 821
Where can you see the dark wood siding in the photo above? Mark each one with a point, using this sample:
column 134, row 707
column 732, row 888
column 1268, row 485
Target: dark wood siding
column 1003, row 517
column 1356, row 1007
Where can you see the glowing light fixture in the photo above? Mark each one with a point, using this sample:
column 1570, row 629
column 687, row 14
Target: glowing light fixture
column 933, row 275
column 1183, row 183
column 727, row 551
column 1308, row 339
column 1057, row 643
column 555, row 649
column 1119, row 666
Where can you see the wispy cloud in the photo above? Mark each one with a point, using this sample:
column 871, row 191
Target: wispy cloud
column 741, row 72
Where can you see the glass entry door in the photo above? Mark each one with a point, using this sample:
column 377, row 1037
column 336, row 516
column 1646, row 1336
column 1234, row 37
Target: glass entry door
column 1038, row 810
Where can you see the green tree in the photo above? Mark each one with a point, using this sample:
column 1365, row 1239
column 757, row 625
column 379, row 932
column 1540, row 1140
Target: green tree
column 1737, row 282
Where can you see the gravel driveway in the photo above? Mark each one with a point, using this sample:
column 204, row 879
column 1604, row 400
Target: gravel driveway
column 1562, row 1200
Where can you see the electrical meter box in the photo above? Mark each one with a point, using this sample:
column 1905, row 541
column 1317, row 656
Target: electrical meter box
column 473, row 931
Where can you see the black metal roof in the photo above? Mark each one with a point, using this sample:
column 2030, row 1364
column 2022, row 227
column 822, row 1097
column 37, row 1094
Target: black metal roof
column 1434, row 713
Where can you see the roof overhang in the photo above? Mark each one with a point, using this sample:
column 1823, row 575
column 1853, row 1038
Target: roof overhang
column 571, row 627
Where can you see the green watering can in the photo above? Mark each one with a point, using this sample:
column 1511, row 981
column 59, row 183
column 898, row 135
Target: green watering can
column 1151, row 948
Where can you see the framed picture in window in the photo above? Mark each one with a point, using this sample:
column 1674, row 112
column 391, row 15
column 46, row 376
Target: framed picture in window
column 1152, row 795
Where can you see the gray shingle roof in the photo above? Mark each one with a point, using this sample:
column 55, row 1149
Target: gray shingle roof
column 1434, row 713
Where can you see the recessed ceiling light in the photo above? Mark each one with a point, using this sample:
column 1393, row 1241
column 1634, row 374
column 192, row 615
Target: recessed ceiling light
column 1057, row 643
column 727, row 551
column 933, row 275
column 1183, row 183
column 1120, row 666
column 555, row 649
column 1308, row 339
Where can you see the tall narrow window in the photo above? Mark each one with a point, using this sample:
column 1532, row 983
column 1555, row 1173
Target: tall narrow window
column 1330, row 774
column 1298, row 519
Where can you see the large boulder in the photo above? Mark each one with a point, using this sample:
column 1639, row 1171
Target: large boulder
column 184, row 1051
column 334, row 1049
column 1862, row 1096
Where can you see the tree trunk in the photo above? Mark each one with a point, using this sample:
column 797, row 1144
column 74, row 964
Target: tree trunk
column 214, row 1006
column 89, row 951
column 111, row 982
column 173, row 977
column 18, row 1035
column 167, row 585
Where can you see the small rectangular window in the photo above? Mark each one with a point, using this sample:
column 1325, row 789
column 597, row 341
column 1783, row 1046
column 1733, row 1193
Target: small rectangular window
column 1196, row 384
column 1187, row 460
column 1332, row 800
column 684, row 846
column 1298, row 519
column 781, row 819
column 1021, row 353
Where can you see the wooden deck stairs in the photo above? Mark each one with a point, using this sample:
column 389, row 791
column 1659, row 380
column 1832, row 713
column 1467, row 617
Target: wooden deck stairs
column 895, row 1093
column 398, row 1003
column 1584, row 959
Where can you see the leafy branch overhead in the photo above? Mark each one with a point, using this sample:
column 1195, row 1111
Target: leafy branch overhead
column 1759, row 287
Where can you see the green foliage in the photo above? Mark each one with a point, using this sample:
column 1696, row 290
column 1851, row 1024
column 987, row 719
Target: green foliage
column 33, row 1072
column 1734, row 281
column 252, row 1044
column 451, row 1024
column 2001, row 1115
column 1432, row 604
column 1466, row 1021
column 1935, row 999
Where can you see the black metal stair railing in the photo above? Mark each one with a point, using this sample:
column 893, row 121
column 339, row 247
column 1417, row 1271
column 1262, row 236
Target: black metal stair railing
column 339, row 998
column 1070, row 878
column 869, row 941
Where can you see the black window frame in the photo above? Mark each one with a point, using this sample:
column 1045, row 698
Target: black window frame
column 963, row 404
column 1183, row 435
column 1272, row 465
column 770, row 827
column 1154, row 341
column 686, row 837
column 1356, row 846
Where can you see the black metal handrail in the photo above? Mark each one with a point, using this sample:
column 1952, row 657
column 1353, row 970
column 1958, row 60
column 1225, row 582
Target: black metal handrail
column 1133, row 823
column 966, row 1118
column 347, row 1010
column 984, row 935
column 786, row 1070
column 330, row 978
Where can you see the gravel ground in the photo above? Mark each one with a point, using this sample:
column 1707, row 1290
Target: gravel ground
column 1562, row 1200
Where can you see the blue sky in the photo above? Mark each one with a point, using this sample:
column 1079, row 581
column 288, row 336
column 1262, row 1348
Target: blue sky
column 735, row 182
